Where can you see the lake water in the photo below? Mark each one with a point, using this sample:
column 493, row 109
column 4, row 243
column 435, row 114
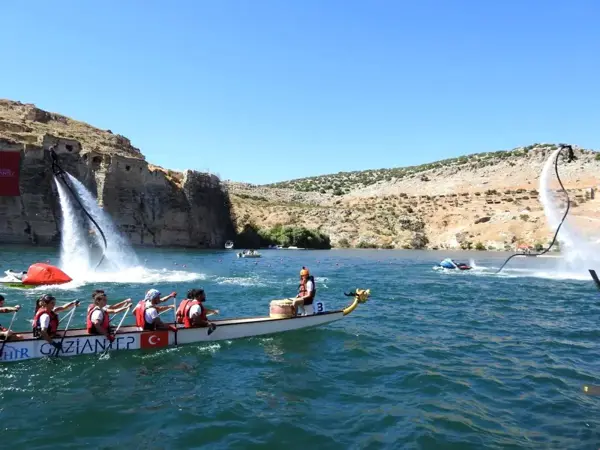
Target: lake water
column 433, row 360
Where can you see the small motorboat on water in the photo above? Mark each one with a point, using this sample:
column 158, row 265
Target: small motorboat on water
column 450, row 264
column 249, row 254
column 38, row 274
column 75, row 342
column 229, row 245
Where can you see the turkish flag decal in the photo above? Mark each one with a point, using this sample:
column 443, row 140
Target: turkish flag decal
column 154, row 339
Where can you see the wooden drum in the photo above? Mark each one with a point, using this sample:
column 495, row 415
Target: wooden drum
column 281, row 309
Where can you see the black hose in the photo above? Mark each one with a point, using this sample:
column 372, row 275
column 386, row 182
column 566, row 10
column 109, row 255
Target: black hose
column 60, row 173
column 570, row 157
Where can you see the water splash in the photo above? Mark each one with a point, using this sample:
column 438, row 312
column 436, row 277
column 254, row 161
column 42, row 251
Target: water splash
column 579, row 253
column 82, row 244
column 74, row 246
column 118, row 255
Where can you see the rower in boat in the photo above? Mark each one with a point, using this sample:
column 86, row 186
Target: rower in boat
column 192, row 313
column 45, row 321
column 5, row 333
column 98, row 320
column 146, row 311
column 306, row 292
column 119, row 305
column 151, row 294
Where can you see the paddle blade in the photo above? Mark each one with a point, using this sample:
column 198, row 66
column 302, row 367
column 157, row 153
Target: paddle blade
column 591, row 390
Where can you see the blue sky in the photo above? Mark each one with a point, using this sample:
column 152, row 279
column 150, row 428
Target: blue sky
column 262, row 91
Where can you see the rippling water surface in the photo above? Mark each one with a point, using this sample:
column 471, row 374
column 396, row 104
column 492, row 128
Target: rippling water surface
column 433, row 360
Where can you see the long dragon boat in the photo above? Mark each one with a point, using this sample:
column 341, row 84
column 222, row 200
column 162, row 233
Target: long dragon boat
column 78, row 342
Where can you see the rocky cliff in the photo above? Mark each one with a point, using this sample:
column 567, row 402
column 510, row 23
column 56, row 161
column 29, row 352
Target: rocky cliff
column 150, row 205
column 485, row 201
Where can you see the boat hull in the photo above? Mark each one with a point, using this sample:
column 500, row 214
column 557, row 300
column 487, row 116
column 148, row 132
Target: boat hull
column 16, row 285
column 78, row 342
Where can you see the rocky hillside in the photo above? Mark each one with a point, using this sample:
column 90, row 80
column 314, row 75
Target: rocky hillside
column 486, row 200
column 151, row 205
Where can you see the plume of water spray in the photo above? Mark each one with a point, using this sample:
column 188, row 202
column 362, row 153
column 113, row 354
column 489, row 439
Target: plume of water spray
column 74, row 247
column 579, row 254
column 120, row 262
column 75, row 251
column 118, row 255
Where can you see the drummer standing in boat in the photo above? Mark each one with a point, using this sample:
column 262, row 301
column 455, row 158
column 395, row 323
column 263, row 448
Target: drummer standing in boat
column 5, row 333
column 306, row 291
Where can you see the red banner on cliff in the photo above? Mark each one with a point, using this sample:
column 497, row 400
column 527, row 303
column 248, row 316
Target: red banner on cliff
column 9, row 174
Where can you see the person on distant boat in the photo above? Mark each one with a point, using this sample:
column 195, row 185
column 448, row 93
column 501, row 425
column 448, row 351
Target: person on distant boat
column 98, row 320
column 192, row 313
column 45, row 321
column 306, row 291
column 5, row 333
column 146, row 311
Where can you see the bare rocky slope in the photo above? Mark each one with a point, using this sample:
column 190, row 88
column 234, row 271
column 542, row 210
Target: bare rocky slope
column 151, row 205
column 485, row 201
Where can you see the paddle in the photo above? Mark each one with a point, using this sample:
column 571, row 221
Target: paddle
column 212, row 328
column 7, row 333
column 175, row 318
column 591, row 390
column 66, row 328
column 116, row 331
column 595, row 277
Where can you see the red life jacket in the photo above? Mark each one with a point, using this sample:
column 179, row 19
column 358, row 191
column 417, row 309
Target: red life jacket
column 180, row 314
column 302, row 291
column 187, row 322
column 90, row 325
column 140, row 316
column 52, row 327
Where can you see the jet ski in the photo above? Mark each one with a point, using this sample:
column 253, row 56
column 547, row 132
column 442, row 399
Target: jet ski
column 452, row 265
column 12, row 278
column 38, row 274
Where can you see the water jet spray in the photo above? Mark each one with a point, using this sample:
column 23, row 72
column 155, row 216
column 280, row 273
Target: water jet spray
column 570, row 157
column 60, row 174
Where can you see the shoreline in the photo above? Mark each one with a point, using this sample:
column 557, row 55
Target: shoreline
column 550, row 254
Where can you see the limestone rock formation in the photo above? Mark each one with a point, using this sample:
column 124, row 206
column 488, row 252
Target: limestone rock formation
column 150, row 205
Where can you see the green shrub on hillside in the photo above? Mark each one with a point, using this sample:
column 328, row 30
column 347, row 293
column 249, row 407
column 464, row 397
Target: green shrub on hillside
column 363, row 244
column 254, row 237
column 343, row 243
column 296, row 236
